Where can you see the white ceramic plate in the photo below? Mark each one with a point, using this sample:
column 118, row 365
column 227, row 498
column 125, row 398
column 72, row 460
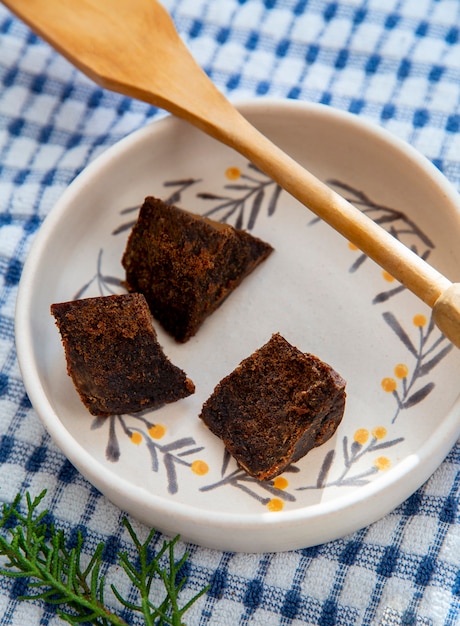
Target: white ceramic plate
column 402, row 413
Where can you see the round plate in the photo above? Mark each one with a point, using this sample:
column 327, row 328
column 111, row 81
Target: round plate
column 321, row 294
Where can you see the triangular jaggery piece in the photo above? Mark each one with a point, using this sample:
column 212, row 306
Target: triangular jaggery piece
column 186, row 265
column 113, row 356
column 278, row 404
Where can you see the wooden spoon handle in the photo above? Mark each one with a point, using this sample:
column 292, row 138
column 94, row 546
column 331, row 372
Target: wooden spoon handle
column 446, row 313
column 398, row 260
column 402, row 263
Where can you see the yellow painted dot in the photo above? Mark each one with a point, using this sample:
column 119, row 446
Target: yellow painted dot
column 157, row 431
column 361, row 436
column 388, row 277
column 352, row 246
column 380, row 432
column 280, row 482
column 233, row 173
column 382, row 463
column 401, row 370
column 389, row 384
column 136, row 438
column 200, row 467
column 419, row 320
column 275, row 504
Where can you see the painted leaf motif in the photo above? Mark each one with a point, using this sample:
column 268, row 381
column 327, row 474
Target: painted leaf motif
column 284, row 495
column 393, row 323
column 123, row 228
column 428, row 366
column 383, row 296
column 255, row 208
column 112, row 450
column 182, row 182
column 361, row 479
column 274, row 200
column 239, row 219
column 354, row 482
column 129, row 209
column 174, row 198
column 325, row 467
column 191, row 451
column 111, row 280
column 357, row 264
column 178, row 444
column 223, row 205
column 355, row 447
column 346, row 456
column 153, row 455
column 168, row 461
column 418, row 396
column 431, row 325
column 81, row 291
column 225, row 462
column 384, row 219
column 98, row 422
column 387, row 444
column 239, row 187
column 204, row 195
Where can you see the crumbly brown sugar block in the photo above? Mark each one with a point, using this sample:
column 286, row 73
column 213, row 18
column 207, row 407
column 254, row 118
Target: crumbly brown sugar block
column 276, row 406
column 186, row 265
column 113, row 356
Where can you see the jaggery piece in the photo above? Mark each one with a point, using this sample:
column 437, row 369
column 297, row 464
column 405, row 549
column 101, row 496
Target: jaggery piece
column 278, row 404
column 113, row 356
column 186, row 265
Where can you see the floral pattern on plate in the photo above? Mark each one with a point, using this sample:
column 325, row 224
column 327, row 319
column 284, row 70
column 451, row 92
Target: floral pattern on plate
column 247, row 196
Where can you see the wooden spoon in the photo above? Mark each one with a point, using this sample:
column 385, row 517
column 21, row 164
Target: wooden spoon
column 132, row 47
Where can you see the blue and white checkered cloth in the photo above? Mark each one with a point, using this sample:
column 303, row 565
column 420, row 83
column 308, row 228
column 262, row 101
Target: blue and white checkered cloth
column 394, row 62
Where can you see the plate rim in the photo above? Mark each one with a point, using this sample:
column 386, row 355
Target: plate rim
column 444, row 437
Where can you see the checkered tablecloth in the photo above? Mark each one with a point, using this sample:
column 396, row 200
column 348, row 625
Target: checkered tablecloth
column 394, row 62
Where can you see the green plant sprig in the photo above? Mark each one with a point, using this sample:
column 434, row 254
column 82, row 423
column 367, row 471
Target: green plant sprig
column 38, row 551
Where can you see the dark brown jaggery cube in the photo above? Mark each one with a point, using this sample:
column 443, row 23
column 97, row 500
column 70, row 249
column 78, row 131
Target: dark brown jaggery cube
column 276, row 406
column 186, row 265
column 113, row 355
